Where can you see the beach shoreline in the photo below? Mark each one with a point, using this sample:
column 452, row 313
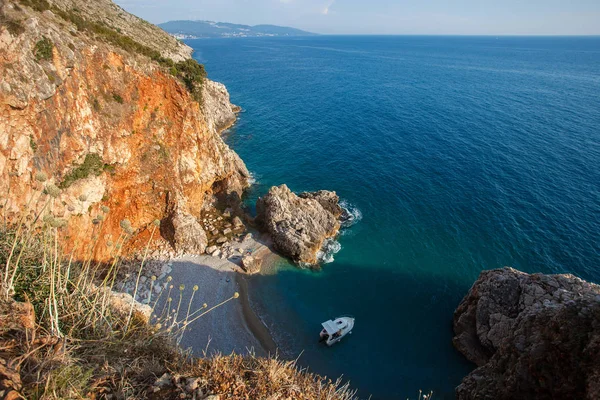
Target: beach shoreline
column 252, row 320
column 234, row 326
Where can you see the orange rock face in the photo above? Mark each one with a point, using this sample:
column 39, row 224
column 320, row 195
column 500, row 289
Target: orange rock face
column 159, row 150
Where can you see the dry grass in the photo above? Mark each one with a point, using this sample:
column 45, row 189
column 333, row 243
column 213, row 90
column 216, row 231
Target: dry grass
column 63, row 337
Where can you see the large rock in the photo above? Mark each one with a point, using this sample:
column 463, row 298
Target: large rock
column 299, row 225
column 189, row 237
column 531, row 336
column 251, row 265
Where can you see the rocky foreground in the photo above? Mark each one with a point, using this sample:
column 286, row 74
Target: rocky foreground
column 299, row 224
column 531, row 336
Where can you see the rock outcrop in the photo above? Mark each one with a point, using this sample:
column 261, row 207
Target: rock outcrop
column 106, row 126
column 188, row 235
column 299, row 225
column 218, row 106
column 531, row 336
column 251, row 265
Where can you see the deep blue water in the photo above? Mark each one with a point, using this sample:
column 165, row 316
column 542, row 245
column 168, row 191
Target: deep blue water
column 461, row 153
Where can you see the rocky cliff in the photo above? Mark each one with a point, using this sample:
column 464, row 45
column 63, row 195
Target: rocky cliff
column 531, row 336
column 89, row 99
column 299, row 224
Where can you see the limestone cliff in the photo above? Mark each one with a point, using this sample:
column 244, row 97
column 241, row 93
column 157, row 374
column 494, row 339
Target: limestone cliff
column 531, row 336
column 82, row 102
column 299, row 224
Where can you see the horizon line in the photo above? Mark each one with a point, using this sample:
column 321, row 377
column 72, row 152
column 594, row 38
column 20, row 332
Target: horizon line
column 393, row 34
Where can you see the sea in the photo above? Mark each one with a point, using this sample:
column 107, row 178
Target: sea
column 453, row 154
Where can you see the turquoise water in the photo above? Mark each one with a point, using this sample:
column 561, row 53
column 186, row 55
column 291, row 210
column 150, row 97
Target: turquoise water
column 461, row 154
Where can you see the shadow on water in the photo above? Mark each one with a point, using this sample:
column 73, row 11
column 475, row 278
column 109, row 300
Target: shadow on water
column 385, row 356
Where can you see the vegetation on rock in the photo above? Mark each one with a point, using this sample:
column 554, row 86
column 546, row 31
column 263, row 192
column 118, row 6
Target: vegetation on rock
column 43, row 49
column 92, row 165
column 190, row 72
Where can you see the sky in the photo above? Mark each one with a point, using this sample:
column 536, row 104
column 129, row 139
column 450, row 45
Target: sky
column 458, row 17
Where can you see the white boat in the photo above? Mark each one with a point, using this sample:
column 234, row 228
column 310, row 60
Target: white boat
column 334, row 331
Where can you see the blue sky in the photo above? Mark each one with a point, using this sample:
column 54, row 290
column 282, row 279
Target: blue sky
column 463, row 17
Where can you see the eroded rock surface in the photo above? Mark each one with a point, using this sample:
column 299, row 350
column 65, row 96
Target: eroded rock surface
column 111, row 128
column 189, row 237
column 299, row 225
column 251, row 265
column 531, row 336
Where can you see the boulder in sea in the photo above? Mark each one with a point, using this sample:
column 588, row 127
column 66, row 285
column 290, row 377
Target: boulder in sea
column 251, row 265
column 532, row 336
column 299, row 225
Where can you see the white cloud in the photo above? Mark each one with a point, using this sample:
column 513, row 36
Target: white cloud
column 327, row 7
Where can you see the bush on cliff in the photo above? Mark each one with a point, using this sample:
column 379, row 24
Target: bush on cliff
column 65, row 334
column 92, row 165
column 190, row 72
column 43, row 49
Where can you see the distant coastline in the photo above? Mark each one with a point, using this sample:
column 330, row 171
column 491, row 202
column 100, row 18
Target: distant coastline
column 184, row 29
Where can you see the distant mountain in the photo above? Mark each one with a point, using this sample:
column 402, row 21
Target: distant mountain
column 209, row 29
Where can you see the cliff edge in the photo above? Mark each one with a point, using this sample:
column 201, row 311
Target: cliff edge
column 532, row 337
column 111, row 111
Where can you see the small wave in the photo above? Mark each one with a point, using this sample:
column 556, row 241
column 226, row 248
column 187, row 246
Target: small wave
column 350, row 215
column 329, row 249
column 252, row 180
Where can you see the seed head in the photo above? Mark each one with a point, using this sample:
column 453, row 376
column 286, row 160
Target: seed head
column 195, row 288
column 109, row 243
column 181, row 287
column 169, row 278
column 52, row 190
column 58, row 223
column 105, row 209
column 236, row 295
column 83, row 197
column 125, row 224
column 41, row 177
column 156, row 222
column 48, row 218
column 153, row 277
column 204, row 305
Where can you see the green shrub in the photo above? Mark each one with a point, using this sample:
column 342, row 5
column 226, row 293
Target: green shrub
column 43, row 49
column 117, row 98
column 190, row 72
column 92, row 165
column 32, row 144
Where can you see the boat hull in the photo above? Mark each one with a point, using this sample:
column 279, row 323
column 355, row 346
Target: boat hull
column 345, row 324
